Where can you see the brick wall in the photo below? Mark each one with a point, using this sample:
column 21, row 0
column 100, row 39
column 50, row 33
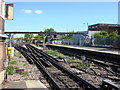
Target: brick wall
column 2, row 48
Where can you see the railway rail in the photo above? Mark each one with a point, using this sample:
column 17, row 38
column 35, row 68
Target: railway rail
column 113, row 59
column 57, row 75
column 111, row 69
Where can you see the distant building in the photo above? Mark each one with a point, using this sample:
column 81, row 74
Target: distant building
column 77, row 39
column 104, row 27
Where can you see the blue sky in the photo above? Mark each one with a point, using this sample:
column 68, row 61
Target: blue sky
column 62, row 16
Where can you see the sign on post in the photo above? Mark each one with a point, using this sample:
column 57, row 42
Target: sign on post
column 11, row 51
column 9, row 13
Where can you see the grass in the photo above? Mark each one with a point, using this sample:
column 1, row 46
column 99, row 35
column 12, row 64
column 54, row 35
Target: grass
column 17, row 54
column 20, row 56
column 78, row 63
column 16, row 67
column 82, row 66
column 55, row 53
column 24, row 73
column 26, row 64
column 13, row 62
column 76, row 60
column 10, row 69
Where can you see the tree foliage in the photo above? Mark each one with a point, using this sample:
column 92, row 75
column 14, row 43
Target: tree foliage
column 67, row 37
column 28, row 37
column 38, row 37
column 114, row 34
column 49, row 30
column 105, row 34
column 102, row 34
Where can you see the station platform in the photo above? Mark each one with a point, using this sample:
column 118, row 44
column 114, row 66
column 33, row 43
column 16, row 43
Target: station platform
column 96, row 49
column 28, row 84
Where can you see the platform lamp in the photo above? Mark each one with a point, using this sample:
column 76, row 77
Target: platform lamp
column 86, row 24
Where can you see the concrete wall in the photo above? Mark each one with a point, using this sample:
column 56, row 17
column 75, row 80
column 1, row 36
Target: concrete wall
column 91, row 33
column 2, row 75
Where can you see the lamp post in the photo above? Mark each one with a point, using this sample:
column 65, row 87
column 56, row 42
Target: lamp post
column 86, row 24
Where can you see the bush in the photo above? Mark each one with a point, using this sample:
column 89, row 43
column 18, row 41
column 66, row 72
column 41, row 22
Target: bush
column 102, row 34
column 10, row 70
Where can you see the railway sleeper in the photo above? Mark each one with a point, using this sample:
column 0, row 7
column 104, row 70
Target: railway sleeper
column 84, row 83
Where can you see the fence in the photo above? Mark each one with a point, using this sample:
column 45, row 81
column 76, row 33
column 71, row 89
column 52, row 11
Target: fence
column 74, row 41
column 105, row 42
column 110, row 42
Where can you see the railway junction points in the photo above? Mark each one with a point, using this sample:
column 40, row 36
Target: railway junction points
column 56, row 74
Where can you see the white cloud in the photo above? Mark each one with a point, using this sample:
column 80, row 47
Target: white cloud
column 26, row 11
column 38, row 11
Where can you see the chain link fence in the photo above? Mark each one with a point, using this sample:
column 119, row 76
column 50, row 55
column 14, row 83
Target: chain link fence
column 107, row 42
column 113, row 42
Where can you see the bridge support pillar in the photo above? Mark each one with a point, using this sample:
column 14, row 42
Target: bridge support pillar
column 44, row 36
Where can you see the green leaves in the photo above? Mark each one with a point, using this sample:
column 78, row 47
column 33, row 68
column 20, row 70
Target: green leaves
column 105, row 34
column 10, row 70
column 28, row 37
column 39, row 37
column 13, row 62
column 67, row 37
column 114, row 34
column 102, row 34
column 49, row 30
column 55, row 53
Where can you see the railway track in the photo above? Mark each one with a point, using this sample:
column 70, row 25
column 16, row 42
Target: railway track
column 57, row 75
column 110, row 58
column 110, row 80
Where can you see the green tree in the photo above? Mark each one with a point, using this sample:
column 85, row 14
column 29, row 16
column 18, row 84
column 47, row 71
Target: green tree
column 102, row 34
column 49, row 30
column 18, row 38
column 28, row 37
column 67, row 37
column 38, row 37
column 114, row 34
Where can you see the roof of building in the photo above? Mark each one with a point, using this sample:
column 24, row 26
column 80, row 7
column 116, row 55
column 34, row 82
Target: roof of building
column 3, row 35
column 111, row 25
